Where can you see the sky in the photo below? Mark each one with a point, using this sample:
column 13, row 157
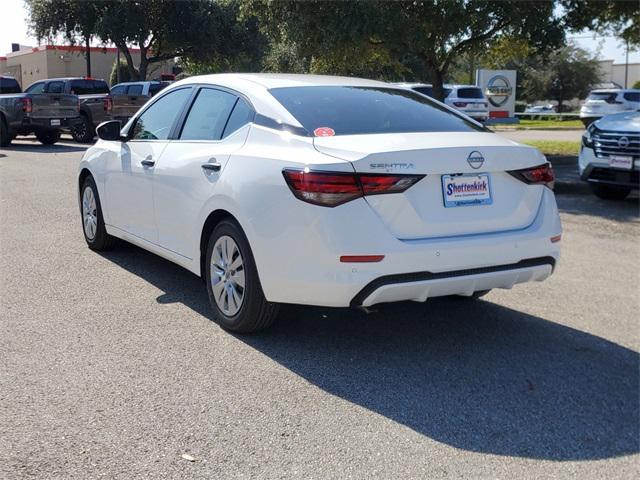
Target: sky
column 13, row 29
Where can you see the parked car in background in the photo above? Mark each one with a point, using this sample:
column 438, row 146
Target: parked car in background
column 95, row 102
column 540, row 109
column 319, row 190
column 128, row 97
column 610, row 155
column 468, row 99
column 42, row 112
column 603, row 102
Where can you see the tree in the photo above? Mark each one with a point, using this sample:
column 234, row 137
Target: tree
column 74, row 19
column 621, row 17
column 423, row 36
column 567, row 73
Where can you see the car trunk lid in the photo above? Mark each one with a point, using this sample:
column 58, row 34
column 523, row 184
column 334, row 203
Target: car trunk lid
column 54, row 105
column 456, row 158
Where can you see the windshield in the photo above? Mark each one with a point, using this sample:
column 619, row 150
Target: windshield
column 368, row 110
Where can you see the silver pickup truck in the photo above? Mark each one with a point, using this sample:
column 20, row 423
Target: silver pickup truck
column 95, row 102
column 41, row 113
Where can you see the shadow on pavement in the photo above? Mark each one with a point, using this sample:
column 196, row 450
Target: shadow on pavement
column 588, row 204
column 473, row 375
column 27, row 146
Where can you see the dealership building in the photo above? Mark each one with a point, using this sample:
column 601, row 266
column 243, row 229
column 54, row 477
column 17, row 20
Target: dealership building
column 29, row 64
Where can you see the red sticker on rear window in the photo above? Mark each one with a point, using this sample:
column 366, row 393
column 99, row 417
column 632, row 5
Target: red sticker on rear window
column 324, row 132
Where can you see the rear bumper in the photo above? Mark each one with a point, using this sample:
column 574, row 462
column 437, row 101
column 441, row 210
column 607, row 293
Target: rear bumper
column 301, row 264
column 423, row 285
column 45, row 123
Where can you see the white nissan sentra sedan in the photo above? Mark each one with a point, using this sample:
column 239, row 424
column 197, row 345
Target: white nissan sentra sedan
column 319, row 190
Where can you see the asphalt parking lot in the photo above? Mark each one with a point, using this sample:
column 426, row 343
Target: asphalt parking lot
column 110, row 366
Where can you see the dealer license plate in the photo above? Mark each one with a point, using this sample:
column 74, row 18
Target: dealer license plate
column 619, row 161
column 466, row 190
column 55, row 122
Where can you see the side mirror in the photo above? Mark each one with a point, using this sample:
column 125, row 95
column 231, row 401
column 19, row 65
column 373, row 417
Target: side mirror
column 110, row 131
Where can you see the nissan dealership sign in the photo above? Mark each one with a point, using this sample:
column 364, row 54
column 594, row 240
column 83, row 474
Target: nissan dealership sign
column 499, row 86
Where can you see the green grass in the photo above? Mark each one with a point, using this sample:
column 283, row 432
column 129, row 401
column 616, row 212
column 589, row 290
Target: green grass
column 549, row 124
column 556, row 147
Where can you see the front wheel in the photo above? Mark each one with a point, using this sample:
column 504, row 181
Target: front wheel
column 609, row 192
column 234, row 289
column 95, row 233
column 48, row 137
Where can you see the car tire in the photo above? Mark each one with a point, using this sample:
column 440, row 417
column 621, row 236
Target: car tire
column 48, row 137
column 609, row 192
column 5, row 137
column 83, row 132
column 233, row 285
column 95, row 233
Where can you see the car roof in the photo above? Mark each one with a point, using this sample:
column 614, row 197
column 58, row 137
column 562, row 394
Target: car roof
column 463, row 86
column 65, row 79
column 412, row 84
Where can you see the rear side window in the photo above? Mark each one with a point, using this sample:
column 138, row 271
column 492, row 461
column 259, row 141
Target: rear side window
column 208, row 115
column 55, row 87
column 368, row 110
column 36, row 88
column 155, row 122
column 470, row 93
column 88, row 87
column 632, row 96
column 134, row 90
column 241, row 115
column 428, row 91
column 9, row 85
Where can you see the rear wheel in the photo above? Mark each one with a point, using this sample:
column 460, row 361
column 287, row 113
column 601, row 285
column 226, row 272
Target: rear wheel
column 93, row 227
column 5, row 138
column 48, row 137
column 234, row 289
column 83, row 132
column 609, row 192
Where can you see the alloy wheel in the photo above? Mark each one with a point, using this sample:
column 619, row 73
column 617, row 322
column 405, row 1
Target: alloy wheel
column 227, row 275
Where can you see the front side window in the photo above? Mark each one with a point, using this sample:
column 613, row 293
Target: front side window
column 118, row 90
column 632, row 96
column 208, row 115
column 368, row 110
column 156, row 121
column 87, row 86
column 36, row 88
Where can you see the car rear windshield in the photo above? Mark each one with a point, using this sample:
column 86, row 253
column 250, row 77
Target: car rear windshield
column 470, row 93
column 428, row 91
column 9, row 85
column 368, row 110
column 88, row 87
column 609, row 97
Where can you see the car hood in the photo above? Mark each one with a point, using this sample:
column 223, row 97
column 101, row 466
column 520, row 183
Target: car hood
column 620, row 122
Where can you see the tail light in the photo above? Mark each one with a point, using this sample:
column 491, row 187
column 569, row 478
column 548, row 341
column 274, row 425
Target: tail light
column 107, row 103
column 540, row 175
column 330, row 189
column 27, row 105
column 460, row 104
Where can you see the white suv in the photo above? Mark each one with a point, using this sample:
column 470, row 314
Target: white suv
column 468, row 99
column 603, row 102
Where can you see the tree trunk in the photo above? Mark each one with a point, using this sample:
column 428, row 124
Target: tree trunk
column 133, row 73
column 437, row 82
column 87, row 54
column 144, row 64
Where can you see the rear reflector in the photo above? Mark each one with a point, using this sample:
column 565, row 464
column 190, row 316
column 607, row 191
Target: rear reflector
column 540, row 175
column 330, row 189
column 107, row 104
column 361, row 258
column 556, row 239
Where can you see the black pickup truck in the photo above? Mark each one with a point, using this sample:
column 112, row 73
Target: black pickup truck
column 43, row 113
column 95, row 102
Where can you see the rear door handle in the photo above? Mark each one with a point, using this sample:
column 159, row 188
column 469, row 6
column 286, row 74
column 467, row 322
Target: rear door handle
column 212, row 166
column 148, row 162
